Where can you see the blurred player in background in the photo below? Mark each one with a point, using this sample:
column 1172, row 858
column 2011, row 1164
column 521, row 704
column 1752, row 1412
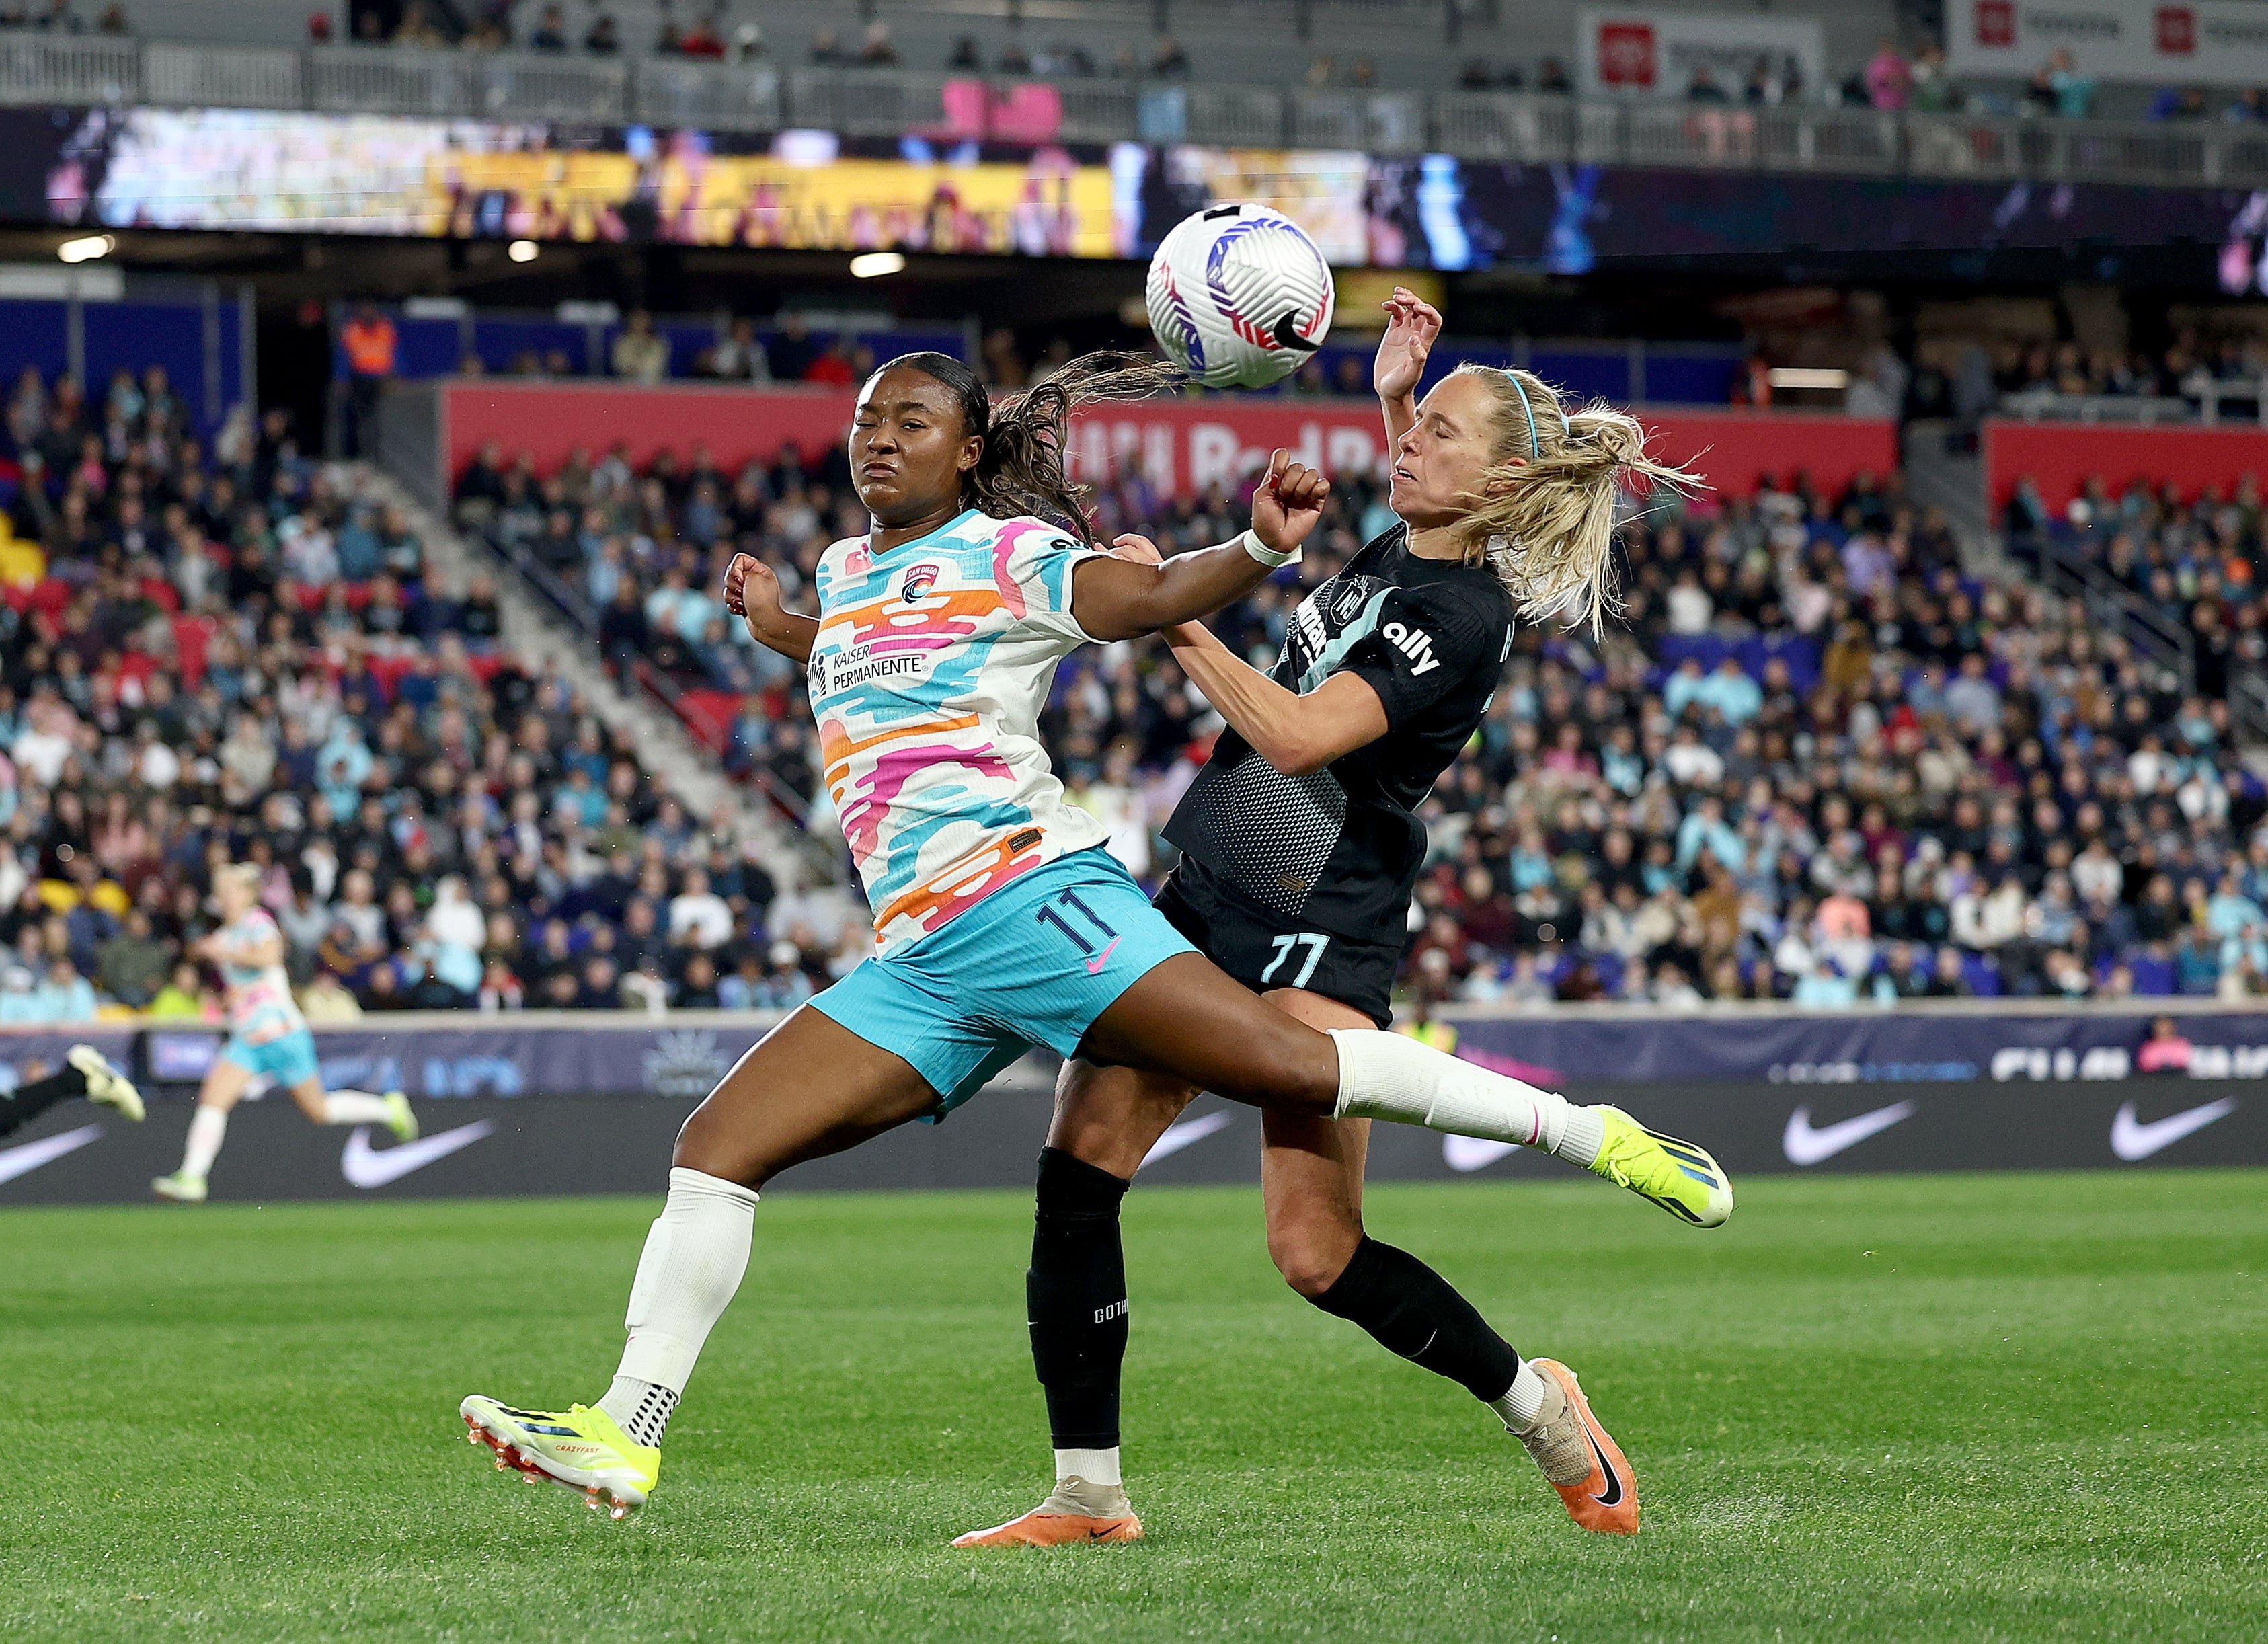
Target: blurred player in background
column 268, row 1039
column 1301, row 851
column 85, row 1073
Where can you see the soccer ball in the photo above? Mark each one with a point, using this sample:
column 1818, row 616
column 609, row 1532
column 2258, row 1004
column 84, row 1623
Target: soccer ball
column 1238, row 296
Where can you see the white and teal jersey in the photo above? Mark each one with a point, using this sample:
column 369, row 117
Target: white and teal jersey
column 259, row 1003
column 931, row 665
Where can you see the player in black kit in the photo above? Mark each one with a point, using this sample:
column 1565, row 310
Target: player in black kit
column 1301, row 851
column 85, row 1073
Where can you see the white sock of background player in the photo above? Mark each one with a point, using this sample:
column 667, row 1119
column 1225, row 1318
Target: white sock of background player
column 694, row 1258
column 354, row 1107
column 208, row 1126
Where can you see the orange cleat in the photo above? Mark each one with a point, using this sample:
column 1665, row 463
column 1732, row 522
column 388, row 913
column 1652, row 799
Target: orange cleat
column 1580, row 1461
column 1036, row 1529
column 1075, row 1514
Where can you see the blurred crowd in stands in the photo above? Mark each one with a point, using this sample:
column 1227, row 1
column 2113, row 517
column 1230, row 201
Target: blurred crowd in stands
column 217, row 651
column 62, row 17
column 2198, row 563
column 1816, row 762
column 2195, row 366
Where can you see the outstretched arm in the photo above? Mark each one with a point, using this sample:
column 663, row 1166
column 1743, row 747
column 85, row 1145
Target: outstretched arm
column 752, row 594
column 1294, row 734
column 1116, row 598
column 1411, row 325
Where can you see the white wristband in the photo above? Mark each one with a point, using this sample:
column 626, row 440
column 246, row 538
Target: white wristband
column 1264, row 554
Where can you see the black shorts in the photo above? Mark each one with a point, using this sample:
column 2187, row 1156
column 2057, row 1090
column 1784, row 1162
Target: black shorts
column 1265, row 949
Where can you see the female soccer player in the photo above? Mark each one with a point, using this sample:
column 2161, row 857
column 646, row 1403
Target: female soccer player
column 267, row 1035
column 1000, row 921
column 1300, row 855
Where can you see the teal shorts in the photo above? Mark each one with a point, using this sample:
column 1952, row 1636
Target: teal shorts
column 290, row 1061
column 1034, row 963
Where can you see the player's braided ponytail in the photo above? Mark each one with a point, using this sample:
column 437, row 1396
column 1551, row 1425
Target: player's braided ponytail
column 1544, row 518
column 1022, row 468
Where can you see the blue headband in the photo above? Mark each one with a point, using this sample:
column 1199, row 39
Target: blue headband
column 1536, row 446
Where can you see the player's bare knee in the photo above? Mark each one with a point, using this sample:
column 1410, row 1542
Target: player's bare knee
column 1311, row 1254
column 705, row 1143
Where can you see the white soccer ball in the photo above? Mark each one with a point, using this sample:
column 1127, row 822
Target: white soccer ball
column 1238, row 296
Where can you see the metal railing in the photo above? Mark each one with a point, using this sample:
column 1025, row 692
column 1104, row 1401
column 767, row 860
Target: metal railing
column 2112, row 607
column 2247, row 701
column 2232, row 399
column 1527, row 129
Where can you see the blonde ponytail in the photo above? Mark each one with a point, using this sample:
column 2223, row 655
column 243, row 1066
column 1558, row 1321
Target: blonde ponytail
column 1544, row 518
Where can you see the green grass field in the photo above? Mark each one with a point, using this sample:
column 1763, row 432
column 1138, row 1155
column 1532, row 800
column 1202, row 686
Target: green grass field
column 1902, row 1408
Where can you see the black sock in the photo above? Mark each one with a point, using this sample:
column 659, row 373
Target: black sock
column 1415, row 1312
column 1075, row 1292
column 28, row 1101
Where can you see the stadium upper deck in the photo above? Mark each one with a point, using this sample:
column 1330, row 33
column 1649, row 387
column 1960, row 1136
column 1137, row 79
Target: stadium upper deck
column 1372, row 78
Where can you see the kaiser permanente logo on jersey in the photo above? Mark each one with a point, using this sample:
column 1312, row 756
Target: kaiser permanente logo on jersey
column 833, row 671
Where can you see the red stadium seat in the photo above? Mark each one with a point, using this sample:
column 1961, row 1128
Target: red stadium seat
column 709, row 715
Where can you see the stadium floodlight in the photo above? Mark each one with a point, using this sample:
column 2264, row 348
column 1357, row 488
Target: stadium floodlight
column 522, row 251
column 872, row 264
column 1808, row 377
column 87, row 247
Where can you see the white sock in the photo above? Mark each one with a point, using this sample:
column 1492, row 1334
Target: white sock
column 1094, row 1466
column 1392, row 1076
column 694, row 1257
column 354, row 1107
column 207, row 1127
column 1585, row 1134
column 1523, row 1402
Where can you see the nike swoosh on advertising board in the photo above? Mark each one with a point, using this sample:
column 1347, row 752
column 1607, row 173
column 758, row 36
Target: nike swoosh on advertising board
column 1471, row 1153
column 1180, row 1136
column 1805, row 1143
column 2131, row 1138
column 15, row 1161
column 365, row 1166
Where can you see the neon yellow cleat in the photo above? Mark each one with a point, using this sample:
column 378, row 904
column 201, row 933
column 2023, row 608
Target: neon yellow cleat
column 105, row 1084
column 578, row 1447
column 180, row 1187
column 1675, row 1175
column 399, row 1119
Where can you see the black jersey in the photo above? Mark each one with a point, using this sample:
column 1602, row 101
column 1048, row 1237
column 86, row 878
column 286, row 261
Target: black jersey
column 1340, row 848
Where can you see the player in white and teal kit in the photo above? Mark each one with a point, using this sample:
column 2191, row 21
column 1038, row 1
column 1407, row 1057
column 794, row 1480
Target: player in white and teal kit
column 1001, row 922
column 268, row 1039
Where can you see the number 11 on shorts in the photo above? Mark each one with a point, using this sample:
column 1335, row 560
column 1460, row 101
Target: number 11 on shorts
column 1314, row 941
column 1070, row 900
